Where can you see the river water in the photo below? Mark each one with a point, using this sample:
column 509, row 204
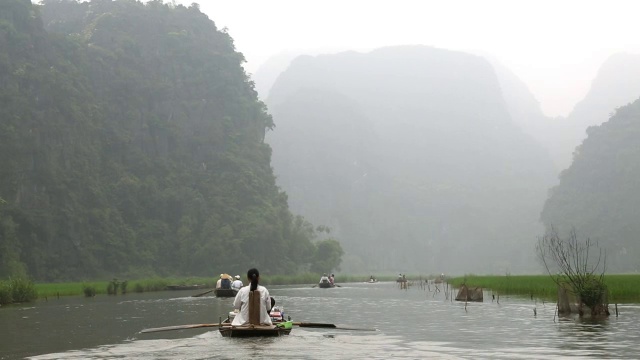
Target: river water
column 417, row 323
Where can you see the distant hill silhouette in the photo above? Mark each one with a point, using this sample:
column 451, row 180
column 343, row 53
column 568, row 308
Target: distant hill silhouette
column 526, row 112
column 268, row 72
column 616, row 84
column 410, row 154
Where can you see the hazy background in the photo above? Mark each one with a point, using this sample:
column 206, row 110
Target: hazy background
column 555, row 47
column 427, row 137
column 411, row 126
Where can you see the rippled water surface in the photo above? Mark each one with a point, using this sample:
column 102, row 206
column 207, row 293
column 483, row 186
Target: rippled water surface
column 412, row 324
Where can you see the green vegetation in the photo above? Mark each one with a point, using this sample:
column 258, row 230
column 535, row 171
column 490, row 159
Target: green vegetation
column 89, row 291
column 622, row 288
column 17, row 290
column 102, row 287
column 132, row 145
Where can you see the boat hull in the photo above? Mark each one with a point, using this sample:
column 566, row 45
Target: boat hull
column 225, row 292
column 253, row 331
column 325, row 285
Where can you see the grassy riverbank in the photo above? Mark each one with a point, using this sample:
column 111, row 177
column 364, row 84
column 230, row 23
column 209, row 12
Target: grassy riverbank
column 49, row 290
column 622, row 288
column 46, row 290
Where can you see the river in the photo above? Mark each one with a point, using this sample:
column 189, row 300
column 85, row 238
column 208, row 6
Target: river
column 412, row 324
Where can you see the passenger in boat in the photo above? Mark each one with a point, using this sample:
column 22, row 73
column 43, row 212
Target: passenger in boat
column 242, row 301
column 219, row 282
column 226, row 282
column 324, row 278
column 237, row 283
column 332, row 279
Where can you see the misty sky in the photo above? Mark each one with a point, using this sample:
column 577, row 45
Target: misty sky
column 556, row 47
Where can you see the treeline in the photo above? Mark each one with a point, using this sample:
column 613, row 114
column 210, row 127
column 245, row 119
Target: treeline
column 131, row 144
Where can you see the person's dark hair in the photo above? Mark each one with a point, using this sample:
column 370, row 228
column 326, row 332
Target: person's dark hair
column 253, row 275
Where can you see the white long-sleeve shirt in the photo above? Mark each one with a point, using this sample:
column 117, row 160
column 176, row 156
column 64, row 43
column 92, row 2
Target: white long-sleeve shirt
column 237, row 284
column 242, row 302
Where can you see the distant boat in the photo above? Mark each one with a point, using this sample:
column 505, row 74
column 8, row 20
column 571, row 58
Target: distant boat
column 326, row 285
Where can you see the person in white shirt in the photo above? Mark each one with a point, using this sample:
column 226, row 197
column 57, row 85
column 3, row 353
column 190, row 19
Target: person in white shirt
column 324, row 278
column 242, row 301
column 219, row 282
column 237, row 283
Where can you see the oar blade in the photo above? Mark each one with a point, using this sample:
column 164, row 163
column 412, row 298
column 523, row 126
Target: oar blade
column 204, row 293
column 332, row 326
column 349, row 327
column 314, row 325
column 177, row 327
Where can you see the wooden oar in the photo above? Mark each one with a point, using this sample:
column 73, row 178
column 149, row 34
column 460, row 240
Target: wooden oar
column 204, row 293
column 314, row 286
column 179, row 327
column 331, row 326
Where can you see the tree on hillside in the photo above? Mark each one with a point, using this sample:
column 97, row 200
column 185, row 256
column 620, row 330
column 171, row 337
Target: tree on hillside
column 327, row 257
column 572, row 262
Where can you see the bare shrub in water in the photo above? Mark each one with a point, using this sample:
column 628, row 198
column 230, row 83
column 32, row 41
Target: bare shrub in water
column 569, row 261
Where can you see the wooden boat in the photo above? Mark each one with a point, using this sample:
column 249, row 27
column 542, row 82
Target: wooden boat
column 325, row 285
column 279, row 327
column 225, row 292
column 185, row 287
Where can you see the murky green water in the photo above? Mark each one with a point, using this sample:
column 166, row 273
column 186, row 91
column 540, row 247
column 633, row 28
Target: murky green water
column 413, row 324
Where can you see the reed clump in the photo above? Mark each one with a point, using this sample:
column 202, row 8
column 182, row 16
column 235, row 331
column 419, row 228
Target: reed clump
column 89, row 291
column 17, row 290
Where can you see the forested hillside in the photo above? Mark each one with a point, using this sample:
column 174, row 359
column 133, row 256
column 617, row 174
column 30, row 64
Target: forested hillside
column 411, row 156
column 131, row 143
column 616, row 84
column 599, row 193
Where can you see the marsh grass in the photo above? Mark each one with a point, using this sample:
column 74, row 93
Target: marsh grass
column 17, row 290
column 102, row 287
column 50, row 290
column 5, row 293
column 89, row 291
column 622, row 288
